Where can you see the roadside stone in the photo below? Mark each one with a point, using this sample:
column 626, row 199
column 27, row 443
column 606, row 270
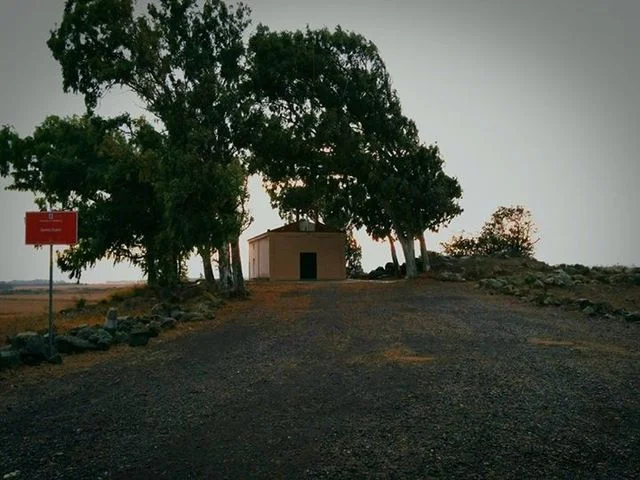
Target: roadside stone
column 139, row 336
column 111, row 321
column 154, row 328
column 168, row 323
column 159, row 309
column 589, row 311
column 102, row 339
column 20, row 340
column 632, row 316
column 193, row 317
column 71, row 344
column 452, row 277
column 562, row 279
column 34, row 351
column 120, row 337
column 9, row 357
column 85, row 333
column 494, row 283
column 125, row 324
column 177, row 314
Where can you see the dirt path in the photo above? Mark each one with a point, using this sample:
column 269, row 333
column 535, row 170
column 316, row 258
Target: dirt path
column 355, row 380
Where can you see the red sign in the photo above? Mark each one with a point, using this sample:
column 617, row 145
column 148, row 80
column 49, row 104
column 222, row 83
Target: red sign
column 51, row 228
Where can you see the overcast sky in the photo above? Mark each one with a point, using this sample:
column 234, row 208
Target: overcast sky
column 532, row 102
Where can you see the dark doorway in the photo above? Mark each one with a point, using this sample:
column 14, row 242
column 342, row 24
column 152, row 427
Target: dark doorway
column 308, row 266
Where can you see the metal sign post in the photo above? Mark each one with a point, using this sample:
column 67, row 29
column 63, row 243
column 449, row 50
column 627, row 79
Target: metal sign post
column 51, row 300
column 51, row 228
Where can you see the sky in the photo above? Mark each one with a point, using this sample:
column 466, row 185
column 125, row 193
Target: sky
column 531, row 102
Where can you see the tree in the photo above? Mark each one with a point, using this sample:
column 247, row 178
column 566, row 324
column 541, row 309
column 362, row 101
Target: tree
column 353, row 255
column 101, row 168
column 510, row 231
column 186, row 63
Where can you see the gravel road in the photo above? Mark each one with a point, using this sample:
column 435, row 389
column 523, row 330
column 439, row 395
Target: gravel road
column 346, row 380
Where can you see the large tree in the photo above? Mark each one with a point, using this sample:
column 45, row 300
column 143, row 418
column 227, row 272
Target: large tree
column 185, row 60
column 103, row 168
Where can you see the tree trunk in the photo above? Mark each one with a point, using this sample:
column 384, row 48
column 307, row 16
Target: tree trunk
column 394, row 255
column 205, row 254
column 236, row 263
column 424, row 255
column 409, row 255
column 151, row 268
column 224, row 266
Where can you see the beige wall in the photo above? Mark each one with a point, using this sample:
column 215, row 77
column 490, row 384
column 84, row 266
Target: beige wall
column 285, row 249
column 259, row 258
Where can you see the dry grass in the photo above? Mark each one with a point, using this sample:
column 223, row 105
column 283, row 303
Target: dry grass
column 27, row 309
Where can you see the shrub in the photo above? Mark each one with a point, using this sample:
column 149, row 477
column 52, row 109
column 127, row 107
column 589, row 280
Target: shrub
column 510, row 232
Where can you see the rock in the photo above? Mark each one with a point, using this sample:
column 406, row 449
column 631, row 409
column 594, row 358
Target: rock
column 537, row 284
column 102, row 339
column 71, row 344
column 154, row 328
column 159, row 309
column 20, row 340
column 562, row 278
column 139, row 336
column 85, row 333
column 583, row 303
column 111, row 321
column 125, row 324
column 451, row 277
column 495, row 284
column 34, row 351
column 167, row 323
column 193, row 317
column 55, row 359
column 120, row 337
column 177, row 314
column 548, row 300
column 589, row 311
column 632, row 316
column 578, row 278
column 9, row 357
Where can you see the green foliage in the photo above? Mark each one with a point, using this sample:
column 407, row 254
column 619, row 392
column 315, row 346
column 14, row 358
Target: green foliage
column 353, row 254
column 510, row 232
column 101, row 168
column 331, row 140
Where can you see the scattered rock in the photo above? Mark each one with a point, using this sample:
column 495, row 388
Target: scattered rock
column 102, row 339
column 632, row 316
column 589, row 311
column 9, row 357
column 71, row 344
column 154, row 328
column 177, row 314
column 451, row 277
column 168, row 323
column 193, row 317
column 20, row 340
column 159, row 309
column 139, row 337
column 34, row 351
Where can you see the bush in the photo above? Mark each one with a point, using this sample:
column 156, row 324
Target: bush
column 510, row 232
column 81, row 303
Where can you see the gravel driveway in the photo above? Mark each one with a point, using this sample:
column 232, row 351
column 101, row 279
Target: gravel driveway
column 346, row 380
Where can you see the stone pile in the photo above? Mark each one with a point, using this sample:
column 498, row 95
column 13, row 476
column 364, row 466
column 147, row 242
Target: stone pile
column 32, row 348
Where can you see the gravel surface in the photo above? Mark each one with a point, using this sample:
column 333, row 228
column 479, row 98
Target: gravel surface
column 346, row 380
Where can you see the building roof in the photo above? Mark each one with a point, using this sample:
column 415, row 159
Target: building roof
column 301, row 226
